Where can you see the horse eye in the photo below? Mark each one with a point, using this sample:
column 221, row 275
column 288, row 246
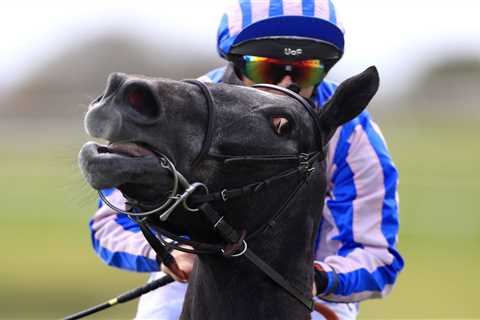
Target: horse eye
column 141, row 100
column 281, row 125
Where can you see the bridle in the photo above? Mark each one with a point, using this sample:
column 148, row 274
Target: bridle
column 197, row 198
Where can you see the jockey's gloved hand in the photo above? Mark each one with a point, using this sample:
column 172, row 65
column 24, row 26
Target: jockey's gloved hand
column 321, row 281
column 324, row 282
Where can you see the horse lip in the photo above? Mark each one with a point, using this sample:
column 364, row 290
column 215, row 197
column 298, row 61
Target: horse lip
column 131, row 149
column 104, row 166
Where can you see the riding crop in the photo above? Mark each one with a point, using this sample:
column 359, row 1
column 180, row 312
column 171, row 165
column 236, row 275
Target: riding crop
column 125, row 297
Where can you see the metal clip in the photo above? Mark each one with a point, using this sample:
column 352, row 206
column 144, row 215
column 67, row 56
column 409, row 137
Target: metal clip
column 244, row 249
column 224, row 195
column 303, row 160
column 309, row 171
column 182, row 198
column 217, row 223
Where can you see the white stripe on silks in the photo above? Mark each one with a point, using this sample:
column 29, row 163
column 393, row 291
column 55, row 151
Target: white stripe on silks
column 369, row 185
column 116, row 239
column 260, row 9
column 360, row 295
column 235, row 18
column 397, row 197
column 116, row 198
column 113, row 236
column 339, row 18
column 293, row 8
column 204, row 79
column 327, row 246
column 322, row 9
column 329, row 229
column 378, row 131
column 368, row 258
column 332, row 147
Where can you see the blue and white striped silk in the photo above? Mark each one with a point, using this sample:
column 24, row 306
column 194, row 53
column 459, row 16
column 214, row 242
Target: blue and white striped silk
column 117, row 240
column 356, row 242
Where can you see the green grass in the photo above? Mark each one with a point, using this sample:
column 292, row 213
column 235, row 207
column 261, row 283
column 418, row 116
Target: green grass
column 440, row 226
column 49, row 270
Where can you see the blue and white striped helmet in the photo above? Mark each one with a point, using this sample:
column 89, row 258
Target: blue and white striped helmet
column 246, row 21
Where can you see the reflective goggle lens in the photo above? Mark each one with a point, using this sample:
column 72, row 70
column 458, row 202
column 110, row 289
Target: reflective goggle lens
column 268, row 70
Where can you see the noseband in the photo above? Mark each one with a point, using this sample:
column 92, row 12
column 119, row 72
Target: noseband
column 200, row 202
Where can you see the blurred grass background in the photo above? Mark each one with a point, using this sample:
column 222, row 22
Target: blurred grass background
column 60, row 55
column 49, row 270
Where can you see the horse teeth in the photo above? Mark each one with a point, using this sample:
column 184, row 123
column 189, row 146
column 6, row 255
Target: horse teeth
column 130, row 149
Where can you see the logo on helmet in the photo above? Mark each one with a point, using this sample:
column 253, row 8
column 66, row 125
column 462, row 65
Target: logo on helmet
column 292, row 52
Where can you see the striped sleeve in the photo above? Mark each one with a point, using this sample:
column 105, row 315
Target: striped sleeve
column 214, row 76
column 358, row 234
column 117, row 240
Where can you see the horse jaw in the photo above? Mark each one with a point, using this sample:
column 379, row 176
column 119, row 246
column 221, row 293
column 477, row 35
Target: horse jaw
column 235, row 286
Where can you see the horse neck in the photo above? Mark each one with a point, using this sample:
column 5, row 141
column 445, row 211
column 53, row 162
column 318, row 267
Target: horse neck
column 234, row 288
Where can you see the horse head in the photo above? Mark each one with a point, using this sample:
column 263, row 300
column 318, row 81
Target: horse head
column 252, row 149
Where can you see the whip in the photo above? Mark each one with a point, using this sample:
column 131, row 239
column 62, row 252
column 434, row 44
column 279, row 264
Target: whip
column 124, row 297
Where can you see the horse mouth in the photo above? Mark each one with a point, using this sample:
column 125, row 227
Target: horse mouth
column 128, row 149
column 115, row 164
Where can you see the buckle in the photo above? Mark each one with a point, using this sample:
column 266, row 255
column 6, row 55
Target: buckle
column 224, row 195
column 233, row 252
column 303, row 159
column 217, row 223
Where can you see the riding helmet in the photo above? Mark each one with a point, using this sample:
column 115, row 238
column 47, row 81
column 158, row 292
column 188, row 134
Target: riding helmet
column 283, row 29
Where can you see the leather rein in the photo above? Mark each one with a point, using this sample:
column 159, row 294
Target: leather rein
column 200, row 199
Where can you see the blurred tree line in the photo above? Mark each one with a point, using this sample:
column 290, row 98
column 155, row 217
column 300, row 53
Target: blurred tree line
column 64, row 85
column 450, row 87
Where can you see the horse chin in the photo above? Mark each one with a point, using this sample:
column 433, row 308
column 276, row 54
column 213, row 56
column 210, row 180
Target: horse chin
column 130, row 167
column 148, row 195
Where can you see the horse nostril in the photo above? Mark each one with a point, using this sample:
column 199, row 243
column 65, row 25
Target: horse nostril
column 115, row 80
column 141, row 99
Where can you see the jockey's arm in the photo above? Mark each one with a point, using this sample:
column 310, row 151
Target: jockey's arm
column 117, row 240
column 356, row 255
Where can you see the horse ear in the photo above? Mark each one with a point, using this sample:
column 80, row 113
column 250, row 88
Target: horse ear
column 349, row 100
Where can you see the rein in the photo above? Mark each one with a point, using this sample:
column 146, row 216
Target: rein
column 236, row 241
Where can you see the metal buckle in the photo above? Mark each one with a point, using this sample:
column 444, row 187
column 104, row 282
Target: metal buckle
column 181, row 199
column 194, row 186
column 303, row 159
column 241, row 253
column 217, row 223
column 224, row 195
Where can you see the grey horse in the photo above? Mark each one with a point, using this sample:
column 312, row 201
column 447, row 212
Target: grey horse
column 253, row 142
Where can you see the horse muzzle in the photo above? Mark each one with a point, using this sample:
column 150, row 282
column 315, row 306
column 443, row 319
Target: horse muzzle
column 117, row 164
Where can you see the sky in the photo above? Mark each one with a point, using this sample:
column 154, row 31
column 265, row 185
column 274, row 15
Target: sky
column 402, row 38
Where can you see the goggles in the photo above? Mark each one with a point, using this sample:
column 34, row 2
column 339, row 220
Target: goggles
column 305, row 73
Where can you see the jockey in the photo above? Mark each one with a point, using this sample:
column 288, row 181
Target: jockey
column 293, row 44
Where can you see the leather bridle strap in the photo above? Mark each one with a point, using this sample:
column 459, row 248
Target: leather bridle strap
column 227, row 194
column 162, row 254
column 279, row 279
column 211, row 120
column 232, row 236
column 305, row 161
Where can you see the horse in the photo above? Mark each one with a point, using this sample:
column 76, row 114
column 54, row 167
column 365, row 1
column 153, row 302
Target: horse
column 236, row 172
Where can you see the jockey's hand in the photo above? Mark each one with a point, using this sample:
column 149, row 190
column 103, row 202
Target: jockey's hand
column 320, row 281
column 185, row 265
